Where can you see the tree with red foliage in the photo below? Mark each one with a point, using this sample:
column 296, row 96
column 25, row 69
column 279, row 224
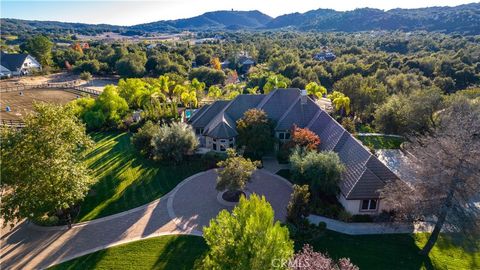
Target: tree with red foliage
column 304, row 137
column 307, row 259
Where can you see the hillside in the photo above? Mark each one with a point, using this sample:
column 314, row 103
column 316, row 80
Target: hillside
column 212, row 20
column 463, row 19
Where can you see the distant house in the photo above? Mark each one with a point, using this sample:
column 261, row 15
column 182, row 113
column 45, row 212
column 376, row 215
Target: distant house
column 325, row 56
column 215, row 126
column 245, row 63
column 17, row 64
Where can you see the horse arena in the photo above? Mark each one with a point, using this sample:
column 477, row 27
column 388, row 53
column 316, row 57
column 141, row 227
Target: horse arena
column 21, row 102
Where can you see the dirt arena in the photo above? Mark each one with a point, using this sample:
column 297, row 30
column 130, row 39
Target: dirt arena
column 22, row 104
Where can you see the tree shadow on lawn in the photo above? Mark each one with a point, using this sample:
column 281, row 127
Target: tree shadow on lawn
column 388, row 251
column 125, row 179
column 182, row 253
column 164, row 252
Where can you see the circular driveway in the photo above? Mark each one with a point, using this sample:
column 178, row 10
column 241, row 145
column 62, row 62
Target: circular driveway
column 194, row 202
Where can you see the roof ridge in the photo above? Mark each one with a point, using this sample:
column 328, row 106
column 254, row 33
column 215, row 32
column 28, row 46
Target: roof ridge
column 314, row 118
column 266, row 98
column 284, row 115
column 356, row 181
column 209, row 106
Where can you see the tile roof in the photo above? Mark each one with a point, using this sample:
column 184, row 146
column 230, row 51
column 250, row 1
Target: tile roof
column 208, row 114
column 364, row 174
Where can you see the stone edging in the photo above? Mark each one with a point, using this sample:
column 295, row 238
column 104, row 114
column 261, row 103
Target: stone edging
column 227, row 203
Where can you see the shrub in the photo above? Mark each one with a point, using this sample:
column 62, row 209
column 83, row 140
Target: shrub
column 173, row 142
column 321, row 170
column 345, row 216
column 255, row 132
column 307, row 259
column 142, row 140
column 236, row 172
column 362, row 218
column 297, row 208
column 305, row 138
column 348, row 124
column 86, row 76
column 247, row 238
column 47, row 220
column 212, row 158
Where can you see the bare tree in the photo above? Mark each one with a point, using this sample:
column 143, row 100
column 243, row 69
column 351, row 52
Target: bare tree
column 447, row 168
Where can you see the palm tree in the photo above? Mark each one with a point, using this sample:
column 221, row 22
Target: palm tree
column 151, row 95
column 341, row 102
column 166, row 86
column 273, row 82
column 214, row 92
column 315, row 90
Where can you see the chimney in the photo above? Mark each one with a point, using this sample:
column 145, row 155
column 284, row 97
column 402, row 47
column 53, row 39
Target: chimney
column 303, row 97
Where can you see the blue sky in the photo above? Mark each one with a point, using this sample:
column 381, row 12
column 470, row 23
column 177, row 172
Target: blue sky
column 129, row 12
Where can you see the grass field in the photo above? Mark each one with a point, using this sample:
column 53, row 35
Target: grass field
column 164, row 252
column 397, row 251
column 21, row 105
column 370, row 252
column 381, row 142
column 125, row 178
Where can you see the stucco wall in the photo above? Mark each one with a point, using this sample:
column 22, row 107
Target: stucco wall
column 353, row 206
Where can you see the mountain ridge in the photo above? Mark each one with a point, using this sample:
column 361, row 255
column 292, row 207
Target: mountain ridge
column 463, row 19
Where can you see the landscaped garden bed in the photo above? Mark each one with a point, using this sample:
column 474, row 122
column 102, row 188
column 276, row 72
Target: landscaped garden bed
column 381, row 142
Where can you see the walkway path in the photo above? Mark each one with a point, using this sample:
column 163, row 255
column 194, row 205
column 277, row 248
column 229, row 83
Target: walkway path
column 185, row 210
column 370, row 228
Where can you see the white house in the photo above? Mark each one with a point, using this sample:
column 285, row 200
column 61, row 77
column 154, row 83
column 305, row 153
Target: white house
column 17, row 64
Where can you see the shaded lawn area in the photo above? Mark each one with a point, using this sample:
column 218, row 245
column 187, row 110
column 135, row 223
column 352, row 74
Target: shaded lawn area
column 164, row 252
column 381, row 142
column 396, row 251
column 125, row 179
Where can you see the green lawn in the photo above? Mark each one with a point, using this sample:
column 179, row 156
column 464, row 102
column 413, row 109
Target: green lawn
column 164, row 252
column 381, row 142
column 397, row 251
column 125, row 178
column 369, row 252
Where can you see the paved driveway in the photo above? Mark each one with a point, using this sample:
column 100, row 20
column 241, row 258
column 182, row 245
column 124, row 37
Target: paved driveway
column 183, row 211
column 194, row 202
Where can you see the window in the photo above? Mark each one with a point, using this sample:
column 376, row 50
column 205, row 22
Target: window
column 222, row 148
column 231, row 145
column 222, row 140
column 214, row 147
column 284, row 135
column 215, row 140
column 369, row 205
column 231, row 140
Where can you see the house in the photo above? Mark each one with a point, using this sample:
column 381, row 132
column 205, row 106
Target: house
column 325, row 56
column 17, row 64
column 245, row 63
column 215, row 126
